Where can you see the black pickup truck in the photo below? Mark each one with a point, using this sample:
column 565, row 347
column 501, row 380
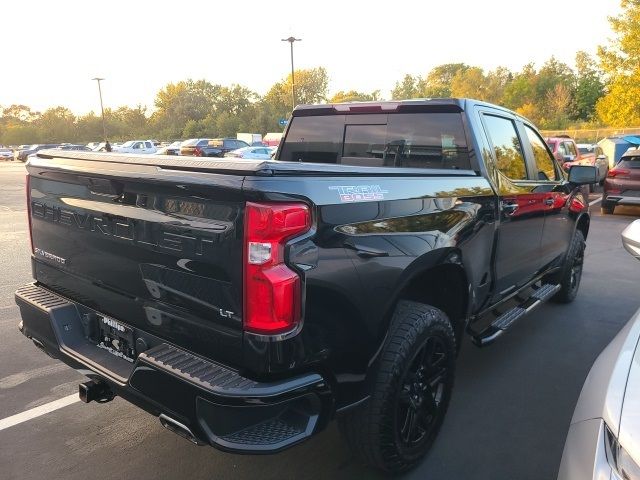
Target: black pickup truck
column 247, row 303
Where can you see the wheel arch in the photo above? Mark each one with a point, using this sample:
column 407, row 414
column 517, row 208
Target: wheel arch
column 439, row 279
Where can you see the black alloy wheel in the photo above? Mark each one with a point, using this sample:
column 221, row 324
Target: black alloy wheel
column 421, row 396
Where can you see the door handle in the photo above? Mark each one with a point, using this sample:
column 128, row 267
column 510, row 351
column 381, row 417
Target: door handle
column 509, row 208
column 548, row 201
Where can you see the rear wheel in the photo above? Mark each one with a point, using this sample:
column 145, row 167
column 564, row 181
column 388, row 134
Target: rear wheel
column 415, row 371
column 571, row 273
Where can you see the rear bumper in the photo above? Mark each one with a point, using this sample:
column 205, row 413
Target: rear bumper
column 215, row 403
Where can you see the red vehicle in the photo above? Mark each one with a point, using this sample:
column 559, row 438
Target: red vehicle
column 622, row 185
column 568, row 153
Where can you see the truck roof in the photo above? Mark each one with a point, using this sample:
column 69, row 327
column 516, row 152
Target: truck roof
column 406, row 106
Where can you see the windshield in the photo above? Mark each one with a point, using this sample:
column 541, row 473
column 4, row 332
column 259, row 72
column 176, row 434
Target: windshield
column 410, row 140
column 128, row 144
column 585, row 150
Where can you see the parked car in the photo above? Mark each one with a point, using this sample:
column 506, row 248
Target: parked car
column 622, row 185
column 592, row 154
column 193, row 147
column 567, row 153
column 22, row 155
column 135, row 146
column 170, row 149
column 604, row 436
column 256, row 153
column 215, row 147
column 249, row 303
column 6, row 154
column 70, row 146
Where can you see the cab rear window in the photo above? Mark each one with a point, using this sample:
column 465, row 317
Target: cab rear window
column 407, row 140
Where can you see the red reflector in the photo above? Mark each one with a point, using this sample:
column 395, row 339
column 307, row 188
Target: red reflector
column 617, row 172
column 271, row 289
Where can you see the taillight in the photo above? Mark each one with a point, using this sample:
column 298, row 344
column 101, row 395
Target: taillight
column 27, row 184
column 616, row 172
column 272, row 295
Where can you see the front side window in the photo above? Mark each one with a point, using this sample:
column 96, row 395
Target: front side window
column 507, row 147
column 544, row 160
column 408, row 140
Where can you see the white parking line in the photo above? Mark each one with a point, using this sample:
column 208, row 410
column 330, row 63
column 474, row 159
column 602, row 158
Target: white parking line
column 593, row 202
column 38, row 411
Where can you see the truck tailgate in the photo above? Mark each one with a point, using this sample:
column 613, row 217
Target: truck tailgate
column 158, row 249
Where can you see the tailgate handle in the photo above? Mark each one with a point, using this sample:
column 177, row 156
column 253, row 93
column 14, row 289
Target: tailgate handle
column 100, row 186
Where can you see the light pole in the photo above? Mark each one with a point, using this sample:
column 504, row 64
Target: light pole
column 104, row 127
column 293, row 80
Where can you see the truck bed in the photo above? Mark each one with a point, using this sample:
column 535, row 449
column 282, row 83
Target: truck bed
column 240, row 166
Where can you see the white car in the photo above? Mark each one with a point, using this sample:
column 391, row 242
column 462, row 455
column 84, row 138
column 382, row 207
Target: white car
column 603, row 442
column 255, row 153
column 6, row 154
column 136, row 146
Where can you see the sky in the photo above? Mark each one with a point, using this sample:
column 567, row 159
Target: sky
column 52, row 49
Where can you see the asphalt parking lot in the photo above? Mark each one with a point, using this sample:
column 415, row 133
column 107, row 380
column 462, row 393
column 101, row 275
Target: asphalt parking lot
column 508, row 419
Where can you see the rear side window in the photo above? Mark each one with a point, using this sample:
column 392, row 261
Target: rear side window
column 408, row 140
column 629, row 162
column 507, row 147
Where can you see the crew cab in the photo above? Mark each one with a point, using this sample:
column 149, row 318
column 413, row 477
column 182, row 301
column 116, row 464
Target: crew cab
column 247, row 303
column 136, row 146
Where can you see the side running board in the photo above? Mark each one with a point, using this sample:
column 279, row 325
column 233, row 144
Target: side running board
column 508, row 318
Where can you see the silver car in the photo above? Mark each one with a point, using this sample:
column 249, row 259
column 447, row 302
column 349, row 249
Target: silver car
column 604, row 436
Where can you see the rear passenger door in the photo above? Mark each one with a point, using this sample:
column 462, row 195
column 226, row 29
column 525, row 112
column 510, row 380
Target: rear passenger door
column 517, row 258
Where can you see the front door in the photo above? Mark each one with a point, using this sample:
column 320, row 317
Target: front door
column 558, row 198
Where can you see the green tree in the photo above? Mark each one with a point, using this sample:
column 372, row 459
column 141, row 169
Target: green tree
column 589, row 86
column 311, row 87
column 354, row 96
column 408, row 87
column 178, row 103
column 470, row 82
column 437, row 84
column 620, row 61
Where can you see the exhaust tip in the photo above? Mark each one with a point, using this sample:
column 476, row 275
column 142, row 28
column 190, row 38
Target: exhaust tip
column 179, row 429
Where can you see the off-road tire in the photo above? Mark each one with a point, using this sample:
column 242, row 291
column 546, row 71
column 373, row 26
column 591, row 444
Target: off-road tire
column 571, row 273
column 372, row 429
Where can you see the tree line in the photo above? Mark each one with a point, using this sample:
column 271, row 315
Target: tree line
column 596, row 91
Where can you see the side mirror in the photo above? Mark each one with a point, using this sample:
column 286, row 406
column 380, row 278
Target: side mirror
column 568, row 158
column 631, row 238
column 583, row 174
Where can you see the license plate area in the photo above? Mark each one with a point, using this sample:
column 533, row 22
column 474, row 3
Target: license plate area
column 116, row 338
